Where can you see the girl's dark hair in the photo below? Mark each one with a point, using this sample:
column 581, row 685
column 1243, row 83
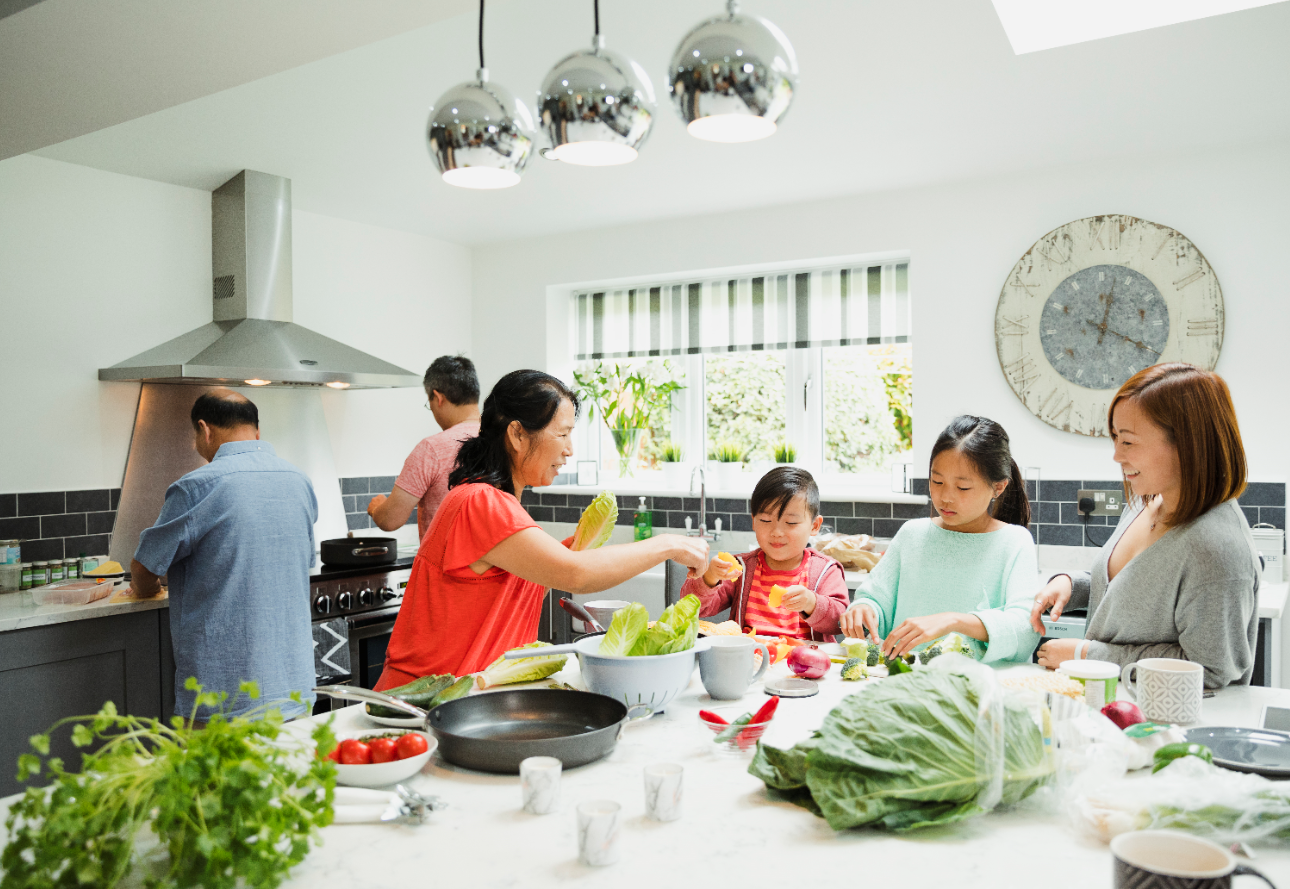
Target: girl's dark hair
column 529, row 396
column 986, row 444
column 778, row 487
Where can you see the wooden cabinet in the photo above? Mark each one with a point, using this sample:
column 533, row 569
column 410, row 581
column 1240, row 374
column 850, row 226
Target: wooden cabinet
column 70, row 669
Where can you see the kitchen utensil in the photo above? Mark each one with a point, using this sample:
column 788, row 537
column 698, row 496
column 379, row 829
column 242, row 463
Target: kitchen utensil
column 598, row 832
column 1171, row 859
column 581, row 614
column 603, row 610
column 360, row 551
column 653, row 680
column 367, row 696
column 382, row 774
column 1166, row 689
column 540, row 784
column 663, row 791
column 495, row 732
column 727, row 666
column 1099, row 679
column 1261, row 751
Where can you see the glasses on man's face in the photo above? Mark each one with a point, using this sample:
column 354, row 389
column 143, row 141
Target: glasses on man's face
column 429, row 408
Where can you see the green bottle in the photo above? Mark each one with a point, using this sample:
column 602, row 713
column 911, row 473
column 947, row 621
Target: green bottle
column 644, row 522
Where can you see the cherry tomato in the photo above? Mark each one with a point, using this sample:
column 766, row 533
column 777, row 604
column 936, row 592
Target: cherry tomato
column 411, row 745
column 334, row 756
column 354, row 753
column 383, row 750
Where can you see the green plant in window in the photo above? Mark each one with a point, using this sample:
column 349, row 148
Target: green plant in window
column 632, row 401
column 785, row 453
column 669, row 452
column 728, row 452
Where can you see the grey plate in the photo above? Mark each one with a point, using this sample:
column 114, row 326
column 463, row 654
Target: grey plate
column 792, row 687
column 1256, row 750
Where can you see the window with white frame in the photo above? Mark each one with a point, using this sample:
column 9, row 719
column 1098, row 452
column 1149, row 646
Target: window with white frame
column 818, row 362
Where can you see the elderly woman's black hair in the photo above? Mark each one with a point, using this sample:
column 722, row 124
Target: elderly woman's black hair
column 530, row 397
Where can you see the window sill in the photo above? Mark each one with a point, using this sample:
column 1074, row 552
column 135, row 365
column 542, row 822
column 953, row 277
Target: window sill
column 635, row 487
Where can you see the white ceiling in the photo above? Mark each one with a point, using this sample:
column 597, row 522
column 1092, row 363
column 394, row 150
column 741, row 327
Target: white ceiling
column 891, row 95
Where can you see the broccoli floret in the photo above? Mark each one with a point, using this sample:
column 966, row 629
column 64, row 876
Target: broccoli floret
column 854, row 669
column 874, row 657
column 857, row 649
column 911, row 658
column 930, row 652
column 955, row 643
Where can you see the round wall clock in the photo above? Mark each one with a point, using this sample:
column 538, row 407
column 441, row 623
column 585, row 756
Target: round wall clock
column 1095, row 301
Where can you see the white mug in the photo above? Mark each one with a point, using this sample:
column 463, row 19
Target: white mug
column 1166, row 689
column 726, row 667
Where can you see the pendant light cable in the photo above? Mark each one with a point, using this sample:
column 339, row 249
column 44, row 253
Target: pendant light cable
column 481, row 34
column 596, row 7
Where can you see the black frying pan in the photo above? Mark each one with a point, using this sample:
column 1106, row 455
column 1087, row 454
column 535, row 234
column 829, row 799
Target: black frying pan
column 493, row 732
column 359, row 551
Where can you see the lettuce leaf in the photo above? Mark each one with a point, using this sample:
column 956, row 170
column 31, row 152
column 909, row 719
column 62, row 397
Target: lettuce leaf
column 596, row 523
column 902, row 756
column 628, row 625
column 525, row 669
column 677, row 629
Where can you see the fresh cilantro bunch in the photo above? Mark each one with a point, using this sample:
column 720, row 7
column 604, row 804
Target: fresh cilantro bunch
column 232, row 803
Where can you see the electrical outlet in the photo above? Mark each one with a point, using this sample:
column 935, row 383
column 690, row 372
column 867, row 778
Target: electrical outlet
column 1104, row 502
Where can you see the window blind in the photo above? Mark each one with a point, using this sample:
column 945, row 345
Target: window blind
column 865, row 305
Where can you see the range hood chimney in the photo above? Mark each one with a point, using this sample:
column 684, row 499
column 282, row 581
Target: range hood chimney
column 252, row 339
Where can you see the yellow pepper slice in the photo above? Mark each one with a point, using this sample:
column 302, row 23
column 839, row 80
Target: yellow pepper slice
column 776, row 596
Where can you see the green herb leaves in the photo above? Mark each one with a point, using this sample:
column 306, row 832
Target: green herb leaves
column 234, row 804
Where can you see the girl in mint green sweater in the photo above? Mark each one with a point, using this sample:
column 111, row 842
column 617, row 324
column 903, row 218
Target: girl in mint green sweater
column 972, row 569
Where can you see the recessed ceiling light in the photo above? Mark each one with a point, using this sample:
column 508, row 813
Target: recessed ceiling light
column 1033, row 25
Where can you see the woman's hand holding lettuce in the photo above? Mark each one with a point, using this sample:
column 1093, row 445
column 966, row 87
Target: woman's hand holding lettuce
column 629, row 633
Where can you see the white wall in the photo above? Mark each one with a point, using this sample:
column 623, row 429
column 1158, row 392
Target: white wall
column 96, row 267
column 963, row 240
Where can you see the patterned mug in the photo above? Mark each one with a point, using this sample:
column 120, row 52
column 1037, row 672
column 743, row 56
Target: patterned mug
column 1167, row 689
column 1170, row 859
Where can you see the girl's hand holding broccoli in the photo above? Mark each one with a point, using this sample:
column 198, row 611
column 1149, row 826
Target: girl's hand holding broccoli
column 860, row 622
column 915, row 631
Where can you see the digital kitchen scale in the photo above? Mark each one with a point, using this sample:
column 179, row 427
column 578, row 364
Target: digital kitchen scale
column 1068, row 626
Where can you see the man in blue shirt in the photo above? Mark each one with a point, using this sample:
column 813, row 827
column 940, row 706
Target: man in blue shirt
column 236, row 538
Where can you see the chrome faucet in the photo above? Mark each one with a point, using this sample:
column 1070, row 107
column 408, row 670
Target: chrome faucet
column 702, row 530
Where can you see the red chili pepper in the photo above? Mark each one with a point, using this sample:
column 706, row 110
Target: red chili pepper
column 764, row 714
column 712, row 717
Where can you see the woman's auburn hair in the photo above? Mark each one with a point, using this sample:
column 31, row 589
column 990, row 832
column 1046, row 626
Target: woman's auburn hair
column 1194, row 408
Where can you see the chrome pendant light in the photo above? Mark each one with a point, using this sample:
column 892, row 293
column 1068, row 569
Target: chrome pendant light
column 478, row 134
column 732, row 78
column 596, row 107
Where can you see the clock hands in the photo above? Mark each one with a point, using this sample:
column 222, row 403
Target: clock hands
column 1109, row 298
column 1103, row 328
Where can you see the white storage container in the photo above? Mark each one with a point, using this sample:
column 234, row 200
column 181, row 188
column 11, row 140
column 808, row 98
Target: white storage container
column 1270, row 542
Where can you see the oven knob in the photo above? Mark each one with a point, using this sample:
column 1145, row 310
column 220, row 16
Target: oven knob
column 365, row 597
column 345, row 600
column 322, row 605
column 387, row 594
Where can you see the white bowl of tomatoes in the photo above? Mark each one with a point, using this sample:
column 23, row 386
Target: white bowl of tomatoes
column 377, row 759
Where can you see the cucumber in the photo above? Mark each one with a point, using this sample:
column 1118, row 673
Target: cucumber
column 458, row 689
column 418, row 693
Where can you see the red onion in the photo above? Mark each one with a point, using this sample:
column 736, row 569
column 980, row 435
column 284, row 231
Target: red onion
column 1123, row 714
column 808, row 662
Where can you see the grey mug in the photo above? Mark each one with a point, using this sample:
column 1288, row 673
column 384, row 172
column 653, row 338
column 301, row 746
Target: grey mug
column 1171, row 859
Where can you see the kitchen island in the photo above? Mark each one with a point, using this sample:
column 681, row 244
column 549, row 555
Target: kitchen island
column 730, row 832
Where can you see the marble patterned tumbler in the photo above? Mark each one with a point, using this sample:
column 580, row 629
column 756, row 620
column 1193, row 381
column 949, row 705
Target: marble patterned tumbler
column 663, row 791
column 540, row 783
column 598, row 832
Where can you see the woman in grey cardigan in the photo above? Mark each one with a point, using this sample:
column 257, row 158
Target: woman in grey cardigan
column 1179, row 577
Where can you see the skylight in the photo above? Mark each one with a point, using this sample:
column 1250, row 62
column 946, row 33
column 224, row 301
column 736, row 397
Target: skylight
column 1033, row 25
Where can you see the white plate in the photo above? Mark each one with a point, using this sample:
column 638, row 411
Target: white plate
column 383, row 774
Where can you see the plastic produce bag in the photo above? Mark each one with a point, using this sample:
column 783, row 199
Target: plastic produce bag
column 1191, row 795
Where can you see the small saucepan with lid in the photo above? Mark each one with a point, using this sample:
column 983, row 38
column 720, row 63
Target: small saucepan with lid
column 350, row 552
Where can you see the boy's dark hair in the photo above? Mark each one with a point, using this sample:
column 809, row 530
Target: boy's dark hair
column 777, row 488
column 224, row 412
column 454, row 377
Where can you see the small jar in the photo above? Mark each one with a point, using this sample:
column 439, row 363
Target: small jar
column 10, row 552
column 39, row 573
column 88, row 563
column 71, row 569
column 56, row 571
column 26, row 576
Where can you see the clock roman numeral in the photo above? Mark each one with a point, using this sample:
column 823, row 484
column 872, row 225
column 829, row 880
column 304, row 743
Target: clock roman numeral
column 1053, row 254
column 1023, row 372
column 1017, row 282
column 1056, row 413
column 1014, row 326
column 1202, row 327
column 1190, row 279
column 1169, row 236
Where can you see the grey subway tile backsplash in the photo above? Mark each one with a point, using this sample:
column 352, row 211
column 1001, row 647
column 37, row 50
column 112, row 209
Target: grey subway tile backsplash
column 89, row 501
column 70, row 524
column 8, row 506
column 100, row 522
column 354, row 485
column 45, row 503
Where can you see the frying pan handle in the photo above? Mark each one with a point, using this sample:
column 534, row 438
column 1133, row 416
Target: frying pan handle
column 649, row 711
column 353, row 693
column 581, row 614
column 369, row 551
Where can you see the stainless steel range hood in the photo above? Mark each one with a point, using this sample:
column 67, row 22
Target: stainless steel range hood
column 252, row 338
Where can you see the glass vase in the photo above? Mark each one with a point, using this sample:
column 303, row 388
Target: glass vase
column 628, row 444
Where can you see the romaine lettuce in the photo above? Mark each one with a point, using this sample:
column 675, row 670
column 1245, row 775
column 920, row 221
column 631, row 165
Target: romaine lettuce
column 596, row 523
column 627, row 626
column 525, row 669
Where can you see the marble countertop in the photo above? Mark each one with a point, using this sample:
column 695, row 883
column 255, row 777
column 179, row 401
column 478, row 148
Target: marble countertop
column 729, row 830
column 19, row 611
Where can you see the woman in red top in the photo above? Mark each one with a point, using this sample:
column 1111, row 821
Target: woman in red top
column 484, row 565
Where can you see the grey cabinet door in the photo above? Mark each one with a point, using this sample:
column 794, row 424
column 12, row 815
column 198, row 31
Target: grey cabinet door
column 71, row 669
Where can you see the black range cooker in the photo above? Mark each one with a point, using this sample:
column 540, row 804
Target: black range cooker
column 353, row 612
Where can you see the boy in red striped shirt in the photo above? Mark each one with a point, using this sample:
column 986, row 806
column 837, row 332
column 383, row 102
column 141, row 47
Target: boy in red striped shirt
column 785, row 514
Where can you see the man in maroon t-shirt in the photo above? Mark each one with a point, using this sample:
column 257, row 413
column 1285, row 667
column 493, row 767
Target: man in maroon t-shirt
column 453, row 392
